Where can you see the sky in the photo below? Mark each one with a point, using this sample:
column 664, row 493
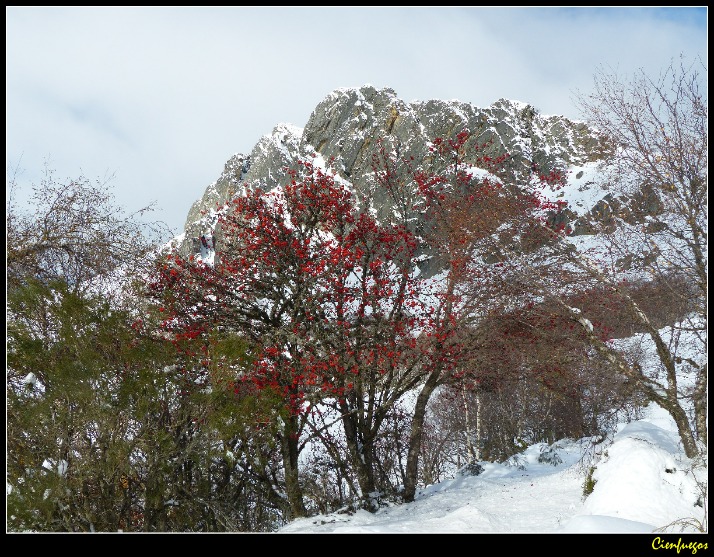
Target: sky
column 644, row 485
column 155, row 100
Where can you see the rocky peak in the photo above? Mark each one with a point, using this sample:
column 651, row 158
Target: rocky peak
column 346, row 125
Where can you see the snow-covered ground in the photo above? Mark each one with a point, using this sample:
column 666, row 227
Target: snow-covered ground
column 643, row 484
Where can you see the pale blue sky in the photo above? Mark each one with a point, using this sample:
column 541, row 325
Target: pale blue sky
column 162, row 97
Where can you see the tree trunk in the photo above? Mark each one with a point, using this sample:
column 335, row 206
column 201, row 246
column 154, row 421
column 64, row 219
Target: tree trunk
column 289, row 448
column 700, row 404
column 479, row 427
column 471, row 451
column 360, row 451
column 685, row 431
column 412, row 469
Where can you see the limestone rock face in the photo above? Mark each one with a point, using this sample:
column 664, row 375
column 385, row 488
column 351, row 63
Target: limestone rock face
column 344, row 130
column 348, row 122
column 272, row 155
column 202, row 214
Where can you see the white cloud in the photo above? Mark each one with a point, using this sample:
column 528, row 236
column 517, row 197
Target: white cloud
column 162, row 97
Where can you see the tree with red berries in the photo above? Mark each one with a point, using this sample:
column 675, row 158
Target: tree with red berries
column 470, row 225
column 326, row 297
column 280, row 256
column 347, row 312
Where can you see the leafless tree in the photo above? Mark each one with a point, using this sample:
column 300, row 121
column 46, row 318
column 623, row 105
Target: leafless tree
column 657, row 129
column 73, row 230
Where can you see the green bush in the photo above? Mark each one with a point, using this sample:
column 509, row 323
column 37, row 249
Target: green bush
column 589, row 484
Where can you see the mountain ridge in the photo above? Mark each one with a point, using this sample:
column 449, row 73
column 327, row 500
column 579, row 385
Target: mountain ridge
column 344, row 128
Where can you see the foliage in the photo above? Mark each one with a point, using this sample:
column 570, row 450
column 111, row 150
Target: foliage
column 589, row 483
column 339, row 354
column 335, row 303
column 109, row 426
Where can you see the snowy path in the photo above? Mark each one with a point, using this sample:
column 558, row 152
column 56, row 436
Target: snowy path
column 502, row 499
